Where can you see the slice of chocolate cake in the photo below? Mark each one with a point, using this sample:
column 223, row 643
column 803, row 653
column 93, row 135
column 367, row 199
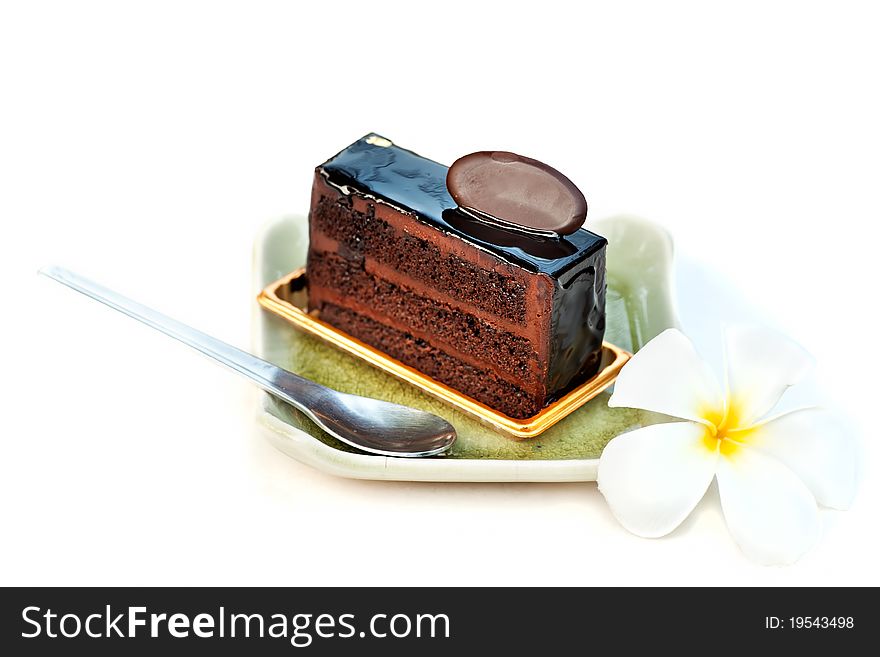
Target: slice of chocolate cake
column 508, row 314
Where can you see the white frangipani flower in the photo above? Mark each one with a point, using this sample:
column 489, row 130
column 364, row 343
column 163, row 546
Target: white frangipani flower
column 770, row 472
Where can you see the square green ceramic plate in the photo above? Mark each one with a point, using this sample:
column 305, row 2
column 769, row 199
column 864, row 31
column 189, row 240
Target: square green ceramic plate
column 639, row 306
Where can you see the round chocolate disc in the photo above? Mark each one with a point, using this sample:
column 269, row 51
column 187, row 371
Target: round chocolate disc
column 517, row 190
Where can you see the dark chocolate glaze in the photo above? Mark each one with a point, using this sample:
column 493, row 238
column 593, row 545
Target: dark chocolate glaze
column 412, row 182
column 535, row 245
column 373, row 166
column 578, row 326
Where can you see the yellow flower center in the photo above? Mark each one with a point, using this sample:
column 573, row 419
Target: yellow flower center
column 724, row 435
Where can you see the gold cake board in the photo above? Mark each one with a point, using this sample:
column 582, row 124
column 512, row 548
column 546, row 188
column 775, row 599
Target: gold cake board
column 277, row 298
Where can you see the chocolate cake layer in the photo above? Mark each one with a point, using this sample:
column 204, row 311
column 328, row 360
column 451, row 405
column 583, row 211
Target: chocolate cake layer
column 509, row 319
column 510, row 356
column 480, row 384
column 320, row 243
column 363, row 235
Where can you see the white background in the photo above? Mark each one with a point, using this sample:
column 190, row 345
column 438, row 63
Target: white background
column 144, row 144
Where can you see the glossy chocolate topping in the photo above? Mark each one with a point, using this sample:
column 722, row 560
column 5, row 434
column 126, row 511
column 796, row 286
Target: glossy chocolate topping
column 517, row 190
column 375, row 166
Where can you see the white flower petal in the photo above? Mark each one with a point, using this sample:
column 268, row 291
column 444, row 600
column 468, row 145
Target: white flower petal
column 653, row 477
column 761, row 365
column 816, row 447
column 668, row 376
column 770, row 512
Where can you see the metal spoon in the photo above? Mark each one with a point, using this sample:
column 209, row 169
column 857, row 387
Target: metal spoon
column 371, row 425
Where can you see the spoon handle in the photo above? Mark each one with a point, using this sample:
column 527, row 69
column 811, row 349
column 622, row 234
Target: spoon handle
column 279, row 382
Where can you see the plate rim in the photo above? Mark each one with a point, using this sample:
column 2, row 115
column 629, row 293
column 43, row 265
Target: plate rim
column 310, row 451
